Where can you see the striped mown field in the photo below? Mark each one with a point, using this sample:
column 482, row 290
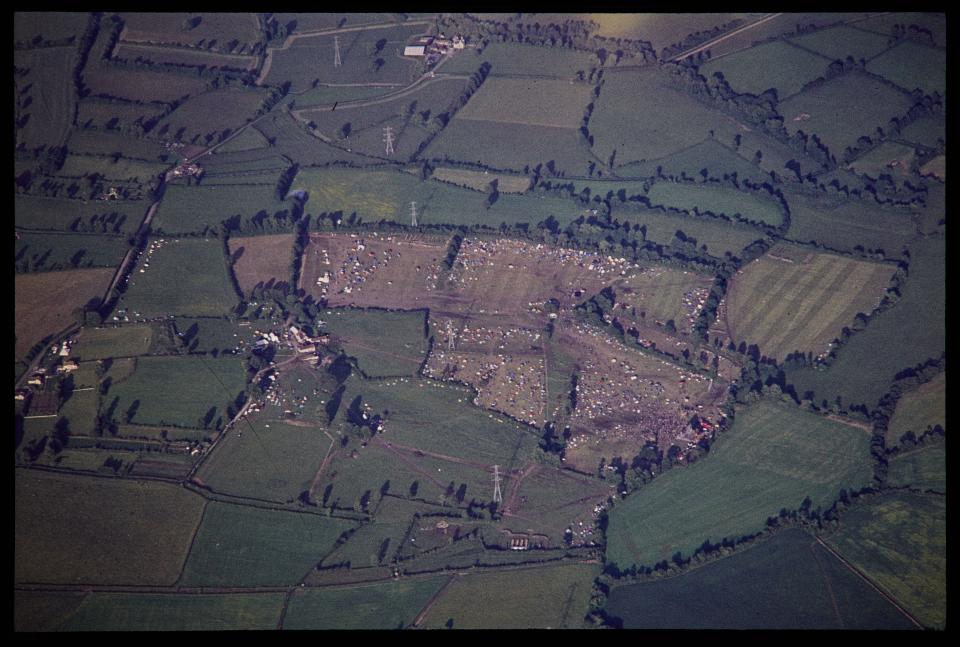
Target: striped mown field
column 784, row 304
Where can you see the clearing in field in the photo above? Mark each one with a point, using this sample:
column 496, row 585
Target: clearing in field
column 919, row 409
column 837, row 43
column 165, row 612
column 783, row 304
column 390, row 605
column 843, row 109
column 544, row 597
column 778, row 65
column 180, row 277
column 244, row 546
column 912, row 65
column 384, row 343
column 773, row 457
column 44, row 303
column 261, row 259
column 139, row 550
column 785, row 582
column 899, row 540
column 533, row 102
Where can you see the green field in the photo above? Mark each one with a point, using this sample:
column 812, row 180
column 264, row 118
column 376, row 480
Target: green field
column 325, row 95
column 215, row 30
column 386, row 195
column 912, row 65
column 112, row 169
column 716, row 157
column 103, row 531
column 45, row 95
column 659, row 294
column 537, row 598
column 899, row 540
column 199, row 58
column 660, row 29
column 173, row 612
column 186, row 277
column 308, row 22
column 630, row 118
column 844, row 224
column 837, row 43
column 179, row 391
column 245, row 546
column 102, row 115
column 843, row 109
column 248, row 139
column 118, row 341
column 188, row 209
column 205, row 117
column 384, row 343
column 883, row 24
column 803, row 304
column 138, row 85
column 927, row 131
column 264, row 180
column 43, row 610
column 877, row 161
column 773, row 457
column 212, row 334
column 517, row 58
column 35, row 27
column 390, row 605
column 481, row 180
column 38, row 252
column 81, row 411
column 310, row 58
column 535, row 102
column 778, row 65
column 909, row 333
column 784, row 582
column 718, row 199
column 291, row 139
column 117, row 145
column 921, row 469
column 918, row 409
column 720, row 238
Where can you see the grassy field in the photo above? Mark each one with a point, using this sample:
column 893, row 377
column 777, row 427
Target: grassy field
column 137, row 85
column 60, row 251
column 480, row 180
column 517, row 58
column 910, row 332
column 88, row 510
column 719, row 237
column 718, row 199
column 787, row 305
column 784, row 582
column 921, row 469
column 44, row 303
column 310, row 58
column 844, row 224
column 843, row 109
column 244, row 546
column 116, row 341
column 292, row 140
column 878, row 160
column 213, row 334
column 116, row 144
column 386, row 195
column 162, row 55
column 899, row 540
column 933, row 22
column 718, row 158
column 212, row 30
column 661, row 294
column 173, row 612
column 545, row 597
column 46, row 95
column 532, row 102
column 47, row 27
column 238, row 162
column 841, row 42
column 384, row 343
column 118, row 169
column 920, row 408
column 205, row 116
column 81, row 411
column 308, row 22
column 772, row 458
column 258, row 259
column 660, row 29
column 266, row 180
column 103, row 115
column 778, row 65
column 912, row 65
column 325, row 95
column 926, row 131
column 511, row 146
column 629, row 118
column 43, row 610
column 248, row 139
column 179, row 390
column 391, row 605
column 189, row 278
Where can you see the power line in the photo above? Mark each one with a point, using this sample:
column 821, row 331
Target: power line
column 336, row 52
column 388, row 138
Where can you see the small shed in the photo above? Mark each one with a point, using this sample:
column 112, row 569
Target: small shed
column 414, row 50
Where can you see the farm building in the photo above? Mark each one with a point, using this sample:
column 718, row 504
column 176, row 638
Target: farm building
column 414, row 50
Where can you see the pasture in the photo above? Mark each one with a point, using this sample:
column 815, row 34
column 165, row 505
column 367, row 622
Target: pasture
column 211, row 31
column 260, row 259
column 176, row 612
column 384, row 343
column 43, row 610
column 481, row 180
column 304, row 22
column 843, row 109
column 717, row 158
column 90, row 509
column 845, row 224
column 45, row 96
column 44, row 302
column 210, row 115
column 185, row 277
column 718, row 199
column 719, row 238
column 326, row 95
column 935, row 23
column 912, row 65
column 918, row 409
column 629, row 118
column 660, row 29
column 923, row 469
column 773, row 457
column 899, row 540
column 81, row 412
column 248, row 139
column 778, row 65
column 245, row 546
column 113, row 341
column 139, row 85
column 261, row 179
column 554, row 596
column 164, row 55
column 117, row 145
column 786, row 581
column 389, row 605
column 910, row 332
column 35, row 27
column 291, row 139
column 112, row 168
column 310, row 57
column 783, row 305
column 837, row 43
column 926, row 131
column 517, row 58
column 191, row 391
column 41, row 252
column 105, row 115
column 888, row 158
column 212, row 335
column 528, row 102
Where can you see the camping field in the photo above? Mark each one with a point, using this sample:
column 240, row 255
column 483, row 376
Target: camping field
column 773, row 457
column 258, row 259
